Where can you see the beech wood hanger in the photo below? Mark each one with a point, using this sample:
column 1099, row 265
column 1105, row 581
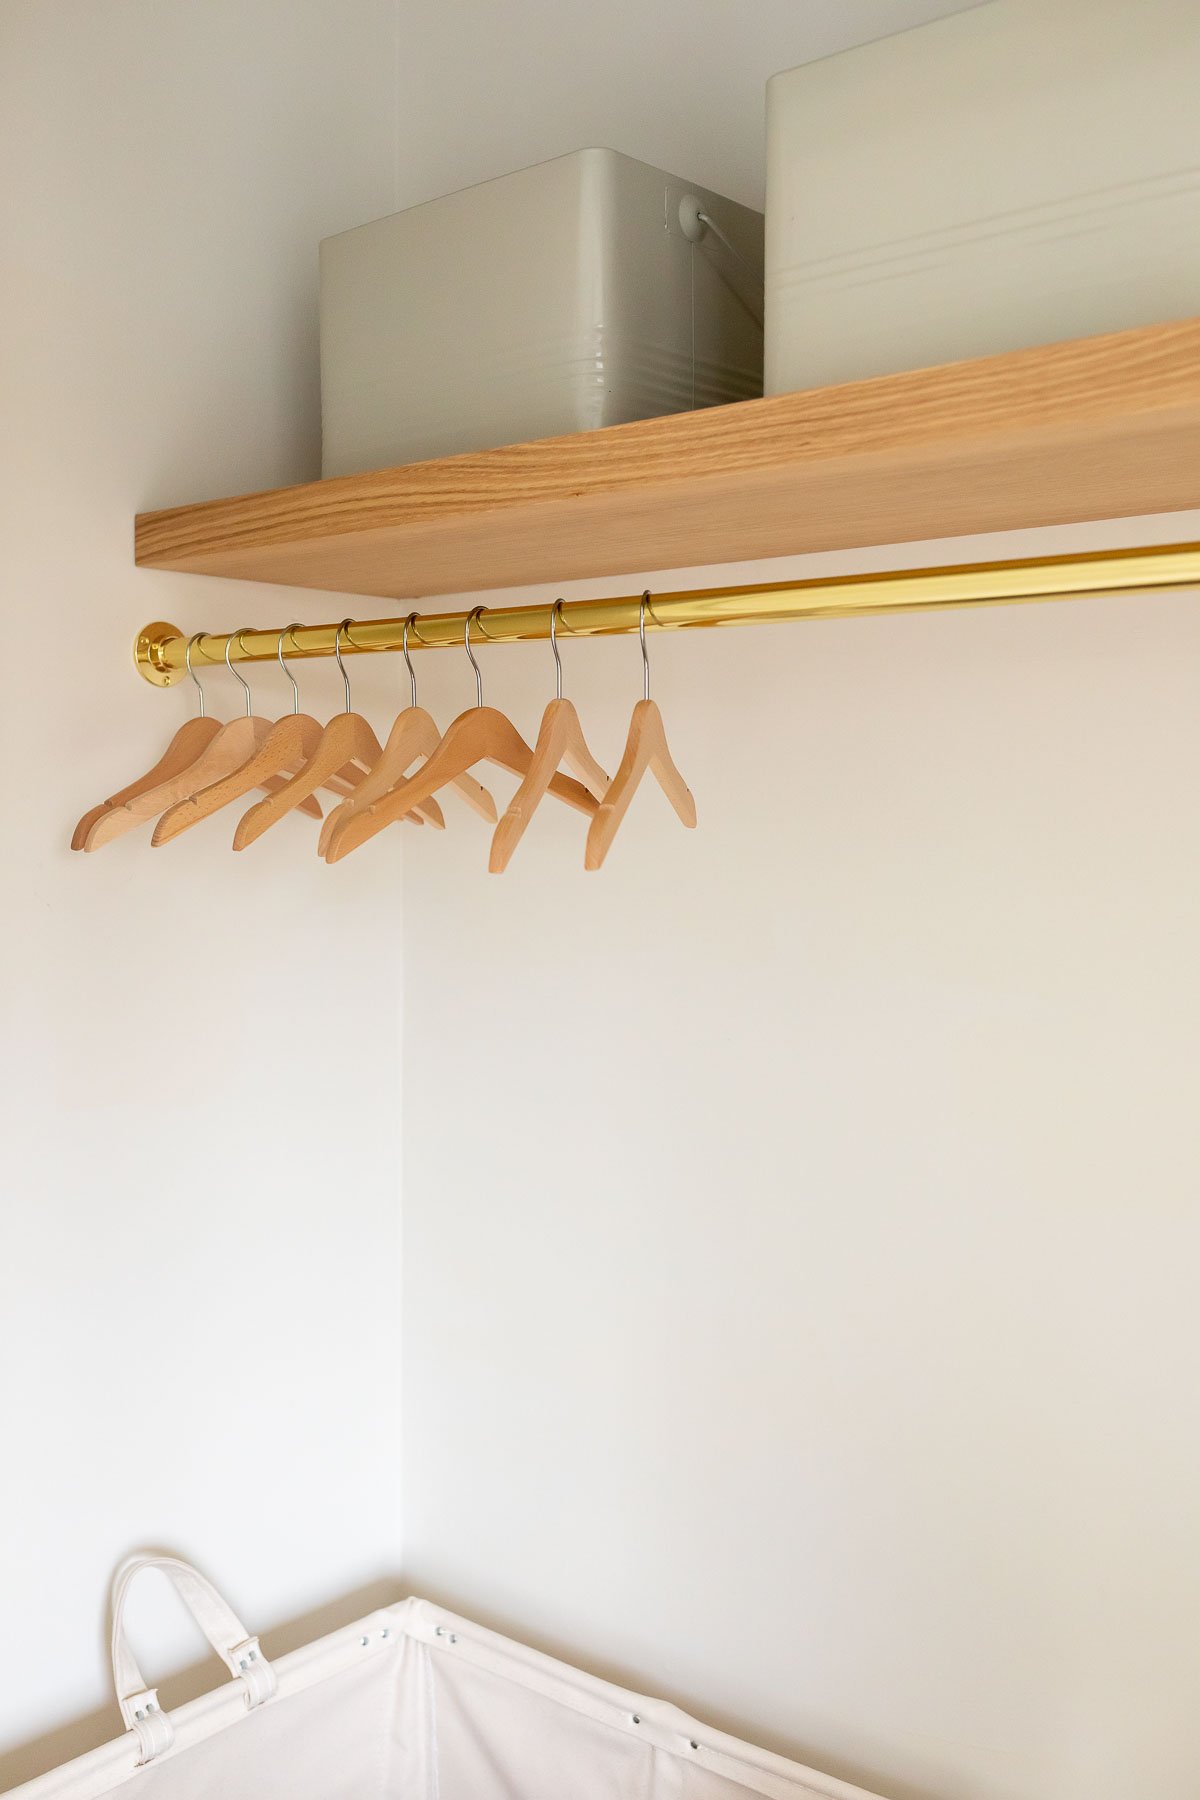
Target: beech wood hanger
column 413, row 735
column 180, row 753
column 479, row 735
column 228, row 748
column 290, row 743
column 645, row 748
column 346, row 742
column 560, row 739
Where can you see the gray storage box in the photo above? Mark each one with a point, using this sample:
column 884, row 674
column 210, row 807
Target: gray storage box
column 1020, row 173
column 564, row 297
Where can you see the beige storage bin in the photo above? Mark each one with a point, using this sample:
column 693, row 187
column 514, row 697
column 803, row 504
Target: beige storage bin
column 1020, row 173
column 567, row 296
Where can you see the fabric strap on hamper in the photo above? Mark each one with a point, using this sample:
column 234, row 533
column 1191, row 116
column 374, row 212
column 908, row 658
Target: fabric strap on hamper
column 220, row 1625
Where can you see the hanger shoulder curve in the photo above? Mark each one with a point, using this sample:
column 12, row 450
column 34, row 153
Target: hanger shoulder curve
column 645, row 748
column 186, row 745
column 356, row 826
column 475, row 796
column 464, row 744
column 560, row 739
column 427, row 813
column 289, row 741
column 347, row 739
column 664, row 768
column 508, row 750
column 479, row 735
column 230, row 745
column 413, row 734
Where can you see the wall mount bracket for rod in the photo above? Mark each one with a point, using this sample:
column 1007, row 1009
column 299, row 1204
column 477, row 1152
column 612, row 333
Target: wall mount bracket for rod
column 159, row 648
column 150, row 649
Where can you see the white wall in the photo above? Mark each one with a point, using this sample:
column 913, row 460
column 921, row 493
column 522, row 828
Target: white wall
column 679, row 83
column 800, row 1223
column 198, row 1314
column 799, row 1215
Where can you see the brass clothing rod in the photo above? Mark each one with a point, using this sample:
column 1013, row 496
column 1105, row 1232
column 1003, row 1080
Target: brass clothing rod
column 159, row 649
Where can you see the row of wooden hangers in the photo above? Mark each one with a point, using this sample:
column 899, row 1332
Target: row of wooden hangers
column 208, row 765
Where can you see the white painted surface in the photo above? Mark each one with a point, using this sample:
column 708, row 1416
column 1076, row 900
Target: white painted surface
column 800, row 1214
column 198, row 1328
column 679, row 83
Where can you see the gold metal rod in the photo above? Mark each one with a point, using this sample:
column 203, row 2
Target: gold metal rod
column 159, row 650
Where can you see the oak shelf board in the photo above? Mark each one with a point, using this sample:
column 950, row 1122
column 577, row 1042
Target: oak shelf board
column 1098, row 428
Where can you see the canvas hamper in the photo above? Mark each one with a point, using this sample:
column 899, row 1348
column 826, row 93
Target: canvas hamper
column 408, row 1704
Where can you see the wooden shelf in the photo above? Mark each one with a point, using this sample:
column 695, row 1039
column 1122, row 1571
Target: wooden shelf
column 1101, row 428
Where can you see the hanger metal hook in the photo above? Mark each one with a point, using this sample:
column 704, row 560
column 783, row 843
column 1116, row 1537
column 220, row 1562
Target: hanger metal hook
column 287, row 632
column 412, row 674
column 555, row 613
column 337, row 651
column 187, row 657
column 475, row 613
column 642, row 638
column 239, row 635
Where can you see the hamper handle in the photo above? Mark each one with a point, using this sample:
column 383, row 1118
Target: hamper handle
column 219, row 1623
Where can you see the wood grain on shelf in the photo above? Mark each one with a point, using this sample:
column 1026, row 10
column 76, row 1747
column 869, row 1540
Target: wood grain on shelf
column 1104, row 427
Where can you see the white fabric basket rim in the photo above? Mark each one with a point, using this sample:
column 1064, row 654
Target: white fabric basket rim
column 380, row 1633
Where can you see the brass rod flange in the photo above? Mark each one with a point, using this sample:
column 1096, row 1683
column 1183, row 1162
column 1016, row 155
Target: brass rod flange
column 159, row 652
column 151, row 650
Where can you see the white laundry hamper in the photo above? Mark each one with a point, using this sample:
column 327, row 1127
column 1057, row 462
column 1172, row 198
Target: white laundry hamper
column 408, row 1704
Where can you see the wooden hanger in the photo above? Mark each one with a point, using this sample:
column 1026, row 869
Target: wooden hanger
column 560, row 739
column 479, row 735
column 227, row 748
column 645, row 748
column 290, row 743
column 179, row 754
column 346, row 742
column 413, row 735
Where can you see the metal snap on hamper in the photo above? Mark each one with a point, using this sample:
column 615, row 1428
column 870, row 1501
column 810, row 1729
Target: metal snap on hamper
column 408, row 1704
column 587, row 291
